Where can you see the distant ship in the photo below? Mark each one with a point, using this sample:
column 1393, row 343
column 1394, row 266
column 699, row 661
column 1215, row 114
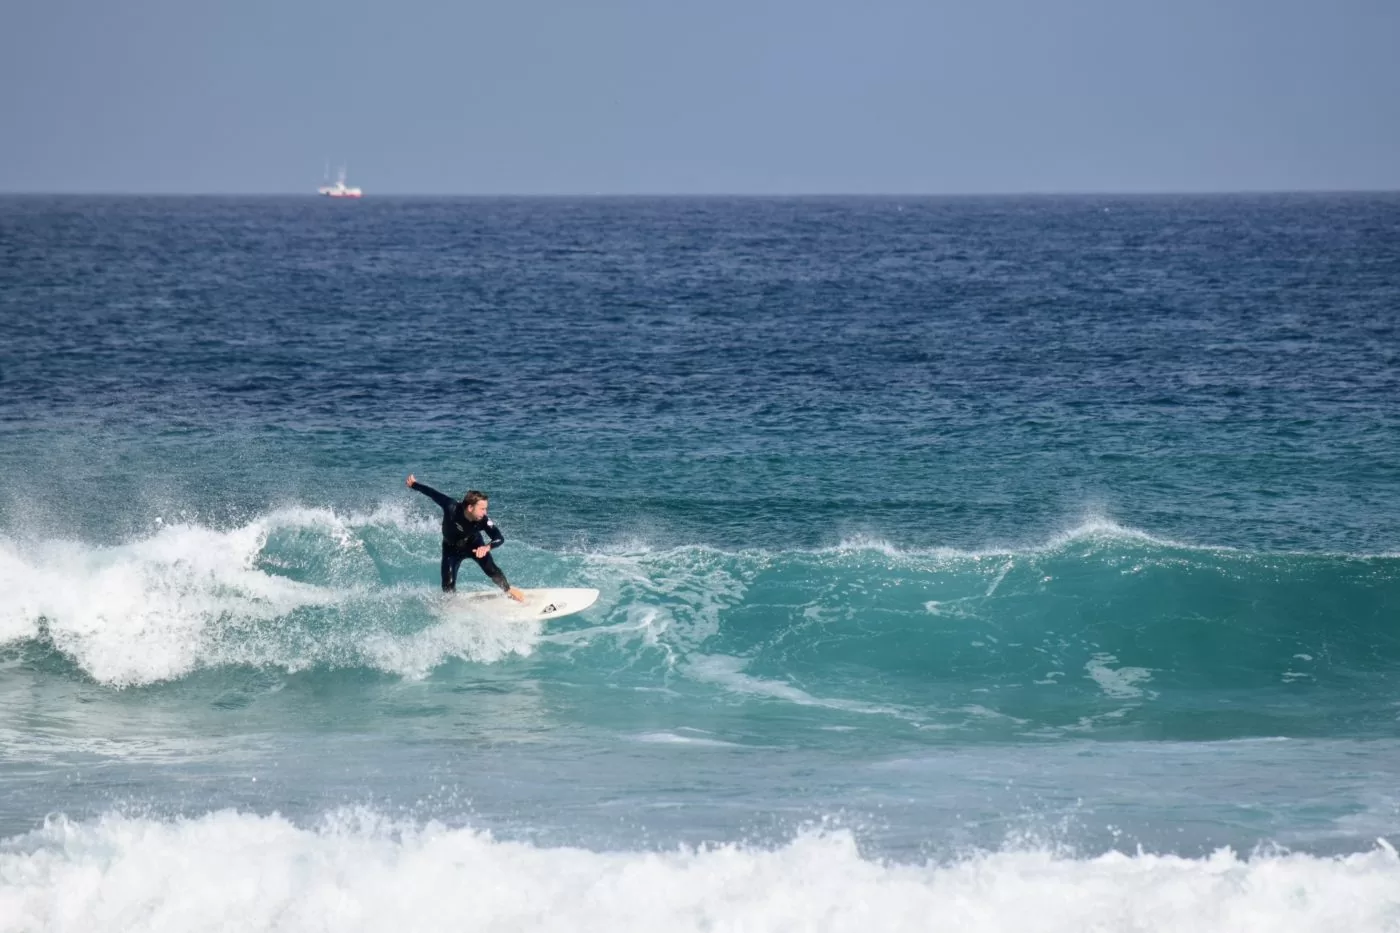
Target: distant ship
column 338, row 190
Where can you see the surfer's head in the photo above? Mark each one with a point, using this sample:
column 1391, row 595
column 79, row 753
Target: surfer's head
column 474, row 504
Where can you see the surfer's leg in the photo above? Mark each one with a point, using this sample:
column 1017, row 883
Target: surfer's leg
column 488, row 567
column 451, row 560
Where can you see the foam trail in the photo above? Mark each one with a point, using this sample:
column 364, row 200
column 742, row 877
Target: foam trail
column 359, row 872
column 672, row 738
column 729, row 673
column 462, row 632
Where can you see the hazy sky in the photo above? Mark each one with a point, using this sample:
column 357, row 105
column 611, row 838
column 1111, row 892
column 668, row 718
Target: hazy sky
column 758, row 96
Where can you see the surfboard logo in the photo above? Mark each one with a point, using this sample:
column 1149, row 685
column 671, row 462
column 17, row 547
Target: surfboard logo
column 548, row 609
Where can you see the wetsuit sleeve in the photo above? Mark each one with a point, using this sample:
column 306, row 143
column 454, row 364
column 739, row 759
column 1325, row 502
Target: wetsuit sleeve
column 497, row 539
column 445, row 501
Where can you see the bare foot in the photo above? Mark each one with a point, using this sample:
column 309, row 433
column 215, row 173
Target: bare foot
column 515, row 593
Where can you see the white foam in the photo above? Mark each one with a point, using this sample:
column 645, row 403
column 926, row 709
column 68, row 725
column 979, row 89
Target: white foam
column 464, row 631
column 357, row 872
column 728, row 672
column 390, row 514
column 949, row 608
column 143, row 612
column 1100, row 527
column 187, row 596
column 671, row 738
column 647, row 625
column 1092, row 528
column 681, row 592
column 1119, row 683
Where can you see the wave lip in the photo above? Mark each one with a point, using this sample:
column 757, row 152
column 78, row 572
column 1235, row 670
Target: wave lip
column 358, row 871
column 1093, row 529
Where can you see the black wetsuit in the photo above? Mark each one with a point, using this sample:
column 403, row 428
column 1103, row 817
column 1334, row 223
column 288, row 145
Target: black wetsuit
column 461, row 536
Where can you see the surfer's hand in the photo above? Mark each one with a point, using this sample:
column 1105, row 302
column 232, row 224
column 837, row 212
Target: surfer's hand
column 482, row 551
column 410, row 481
column 515, row 594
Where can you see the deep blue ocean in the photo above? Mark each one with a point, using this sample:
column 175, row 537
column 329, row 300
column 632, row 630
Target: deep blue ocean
column 965, row 564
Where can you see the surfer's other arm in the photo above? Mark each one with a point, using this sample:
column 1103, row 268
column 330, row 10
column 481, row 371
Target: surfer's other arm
column 497, row 539
column 445, row 501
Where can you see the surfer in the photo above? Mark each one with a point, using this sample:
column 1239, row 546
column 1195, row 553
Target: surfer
column 467, row 532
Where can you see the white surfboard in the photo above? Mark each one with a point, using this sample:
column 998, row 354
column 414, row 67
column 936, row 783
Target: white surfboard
column 541, row 605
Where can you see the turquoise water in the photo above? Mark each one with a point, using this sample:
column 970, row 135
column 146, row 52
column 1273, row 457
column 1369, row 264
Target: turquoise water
column 953, row 555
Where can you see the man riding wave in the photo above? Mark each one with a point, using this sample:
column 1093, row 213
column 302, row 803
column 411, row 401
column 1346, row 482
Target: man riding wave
column 467, row 531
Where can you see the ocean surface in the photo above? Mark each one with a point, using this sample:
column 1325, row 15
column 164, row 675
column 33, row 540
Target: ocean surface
column 965, row 564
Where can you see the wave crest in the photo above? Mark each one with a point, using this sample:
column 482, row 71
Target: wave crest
column 1101, row 619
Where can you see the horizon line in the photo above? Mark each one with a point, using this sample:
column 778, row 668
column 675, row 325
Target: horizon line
column 1182, row 192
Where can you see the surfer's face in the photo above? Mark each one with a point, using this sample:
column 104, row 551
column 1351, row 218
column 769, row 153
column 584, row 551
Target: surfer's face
column 477, row 510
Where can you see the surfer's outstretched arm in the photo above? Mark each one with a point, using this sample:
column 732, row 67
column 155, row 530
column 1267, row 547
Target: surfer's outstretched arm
column 445, row 501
